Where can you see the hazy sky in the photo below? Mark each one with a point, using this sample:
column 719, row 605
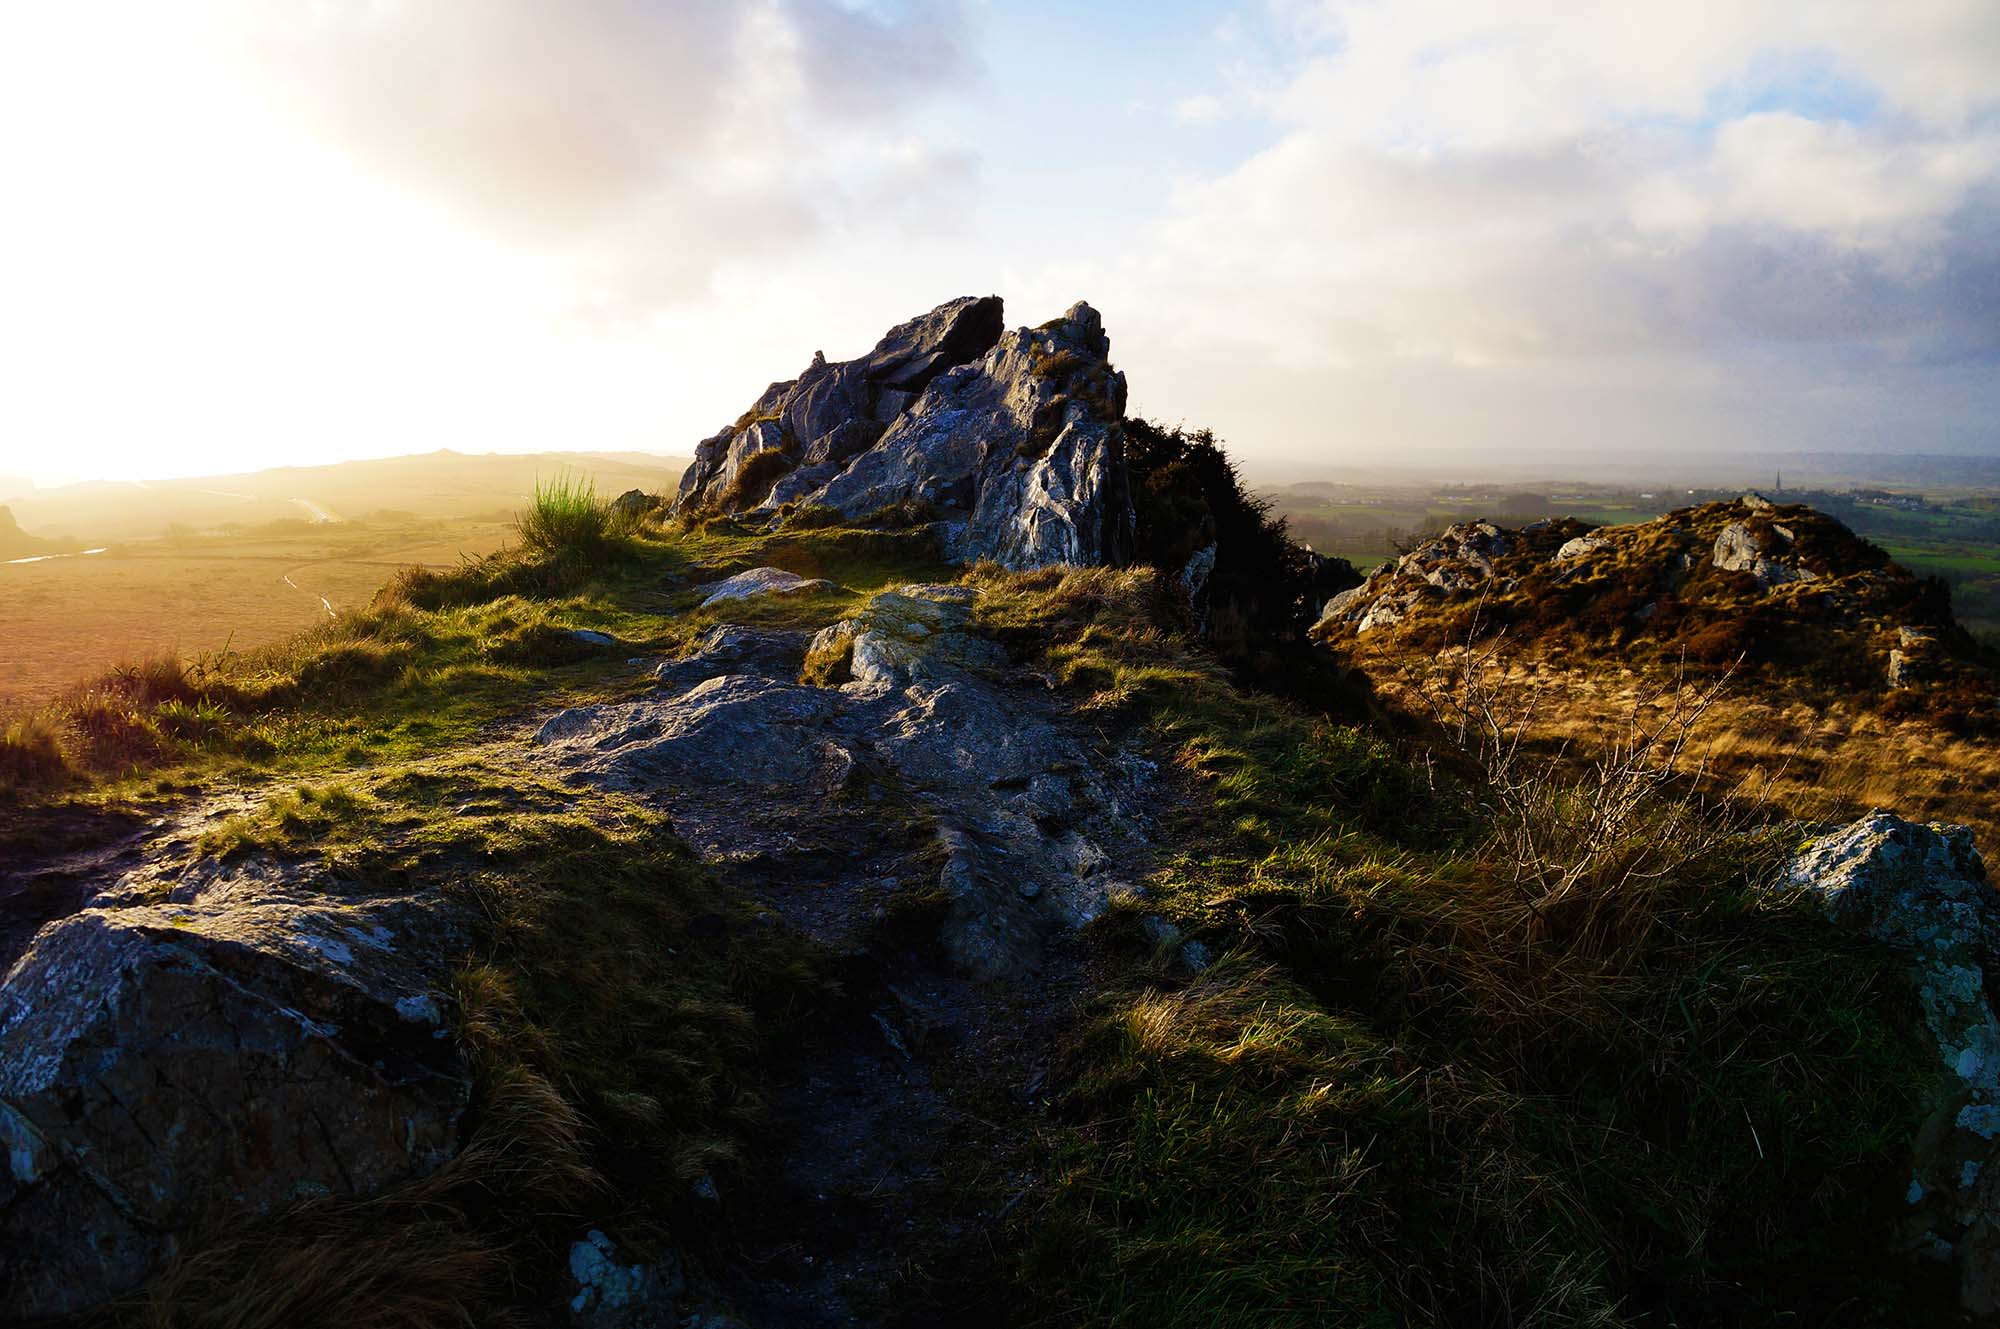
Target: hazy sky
column 241, row 232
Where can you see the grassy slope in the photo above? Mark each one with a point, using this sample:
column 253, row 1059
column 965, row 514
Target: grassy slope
column 1398, row 1097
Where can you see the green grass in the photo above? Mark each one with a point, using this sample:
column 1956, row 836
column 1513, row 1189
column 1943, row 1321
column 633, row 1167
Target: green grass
column 566, row 518
column 434, row 663
column 1400, row 1097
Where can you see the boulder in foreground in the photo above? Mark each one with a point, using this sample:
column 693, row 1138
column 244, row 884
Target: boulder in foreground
column 174, row 1058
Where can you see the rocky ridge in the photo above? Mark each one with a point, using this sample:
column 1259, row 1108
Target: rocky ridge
column 201, row 1040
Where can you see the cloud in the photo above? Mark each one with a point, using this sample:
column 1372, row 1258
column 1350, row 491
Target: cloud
column 1201, row 109
column 638, row 144
column 1567, row 193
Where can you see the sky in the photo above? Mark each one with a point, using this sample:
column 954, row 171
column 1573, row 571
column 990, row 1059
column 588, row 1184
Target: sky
column 238, row 234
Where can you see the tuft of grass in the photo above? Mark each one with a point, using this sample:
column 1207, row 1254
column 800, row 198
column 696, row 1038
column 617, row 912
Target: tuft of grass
column 567, row 520
column 31, row 753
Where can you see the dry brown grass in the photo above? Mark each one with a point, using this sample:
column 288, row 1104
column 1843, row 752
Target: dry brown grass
column 71, row 618
column 1793, row 757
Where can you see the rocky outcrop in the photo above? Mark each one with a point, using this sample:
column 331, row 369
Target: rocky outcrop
column 1923, row 891
column 930, row 767
column 1778, row 591
column 208, row 1045
column 1765, row 551
column 1011, row 441
column 1460, row 559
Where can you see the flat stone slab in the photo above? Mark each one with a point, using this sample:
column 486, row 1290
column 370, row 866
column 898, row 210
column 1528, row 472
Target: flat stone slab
column 763, row 581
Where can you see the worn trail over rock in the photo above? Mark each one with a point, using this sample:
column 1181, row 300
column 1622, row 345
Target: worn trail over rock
column 936, row 774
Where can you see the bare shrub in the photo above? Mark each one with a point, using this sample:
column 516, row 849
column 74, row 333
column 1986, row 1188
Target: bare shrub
column 1580, row 841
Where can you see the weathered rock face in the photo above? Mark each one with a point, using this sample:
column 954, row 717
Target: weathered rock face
column 832, row 411
column 1013, row 440
column 214, row 1046
column 929, row 766
column 1777, row 591
column 1923, row 890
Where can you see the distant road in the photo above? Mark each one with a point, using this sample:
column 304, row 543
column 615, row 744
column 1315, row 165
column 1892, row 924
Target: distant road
column 314, row 510
column 287, row 579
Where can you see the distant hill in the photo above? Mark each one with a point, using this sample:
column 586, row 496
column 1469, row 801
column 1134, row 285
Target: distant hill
column 433, row 484
column 17, row 543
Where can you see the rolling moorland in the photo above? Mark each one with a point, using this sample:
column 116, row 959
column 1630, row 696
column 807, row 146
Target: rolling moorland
column 198, row 568
column 956, row 860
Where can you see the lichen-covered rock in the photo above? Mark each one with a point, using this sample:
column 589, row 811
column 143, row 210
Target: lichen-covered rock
column 1013, row 440
column 216, row 1048
column 1460, row 559
column 1583, row 546
column 1923, row 890
column 763, row 581
column 915, row 633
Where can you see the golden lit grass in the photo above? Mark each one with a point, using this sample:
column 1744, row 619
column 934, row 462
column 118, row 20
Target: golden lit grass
column 72, row 618
column 1792, row 758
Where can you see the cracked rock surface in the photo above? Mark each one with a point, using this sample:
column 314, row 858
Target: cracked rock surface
column 1013, row 440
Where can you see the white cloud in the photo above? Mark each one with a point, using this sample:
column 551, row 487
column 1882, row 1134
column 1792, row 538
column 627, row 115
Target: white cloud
column 1202, row 109
column 638, row 142
column 1566, row 193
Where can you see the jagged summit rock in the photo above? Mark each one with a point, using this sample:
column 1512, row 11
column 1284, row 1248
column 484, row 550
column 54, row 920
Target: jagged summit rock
column 1012, row 442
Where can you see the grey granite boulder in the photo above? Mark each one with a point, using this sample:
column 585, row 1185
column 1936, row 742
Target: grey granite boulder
column 1013, row 441
column 834, row 410
column 909, row 634
column 730, row 649
column 192, row 1051
column 1923, row 891
column 1460, row 558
